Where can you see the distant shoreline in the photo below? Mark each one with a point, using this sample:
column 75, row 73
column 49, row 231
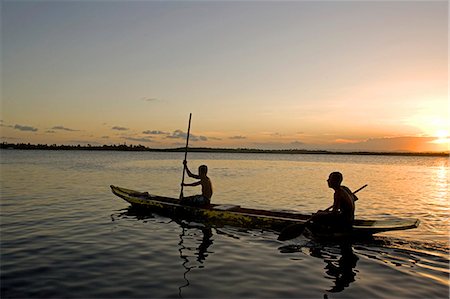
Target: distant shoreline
column 141, row 148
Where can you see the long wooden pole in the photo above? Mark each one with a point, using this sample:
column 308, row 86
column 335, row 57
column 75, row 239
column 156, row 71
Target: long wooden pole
column 185, row 155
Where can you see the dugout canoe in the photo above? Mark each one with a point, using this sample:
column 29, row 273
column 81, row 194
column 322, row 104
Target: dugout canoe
column 220, row 214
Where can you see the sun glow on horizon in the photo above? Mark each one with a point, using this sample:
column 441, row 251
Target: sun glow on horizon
column 442, row 137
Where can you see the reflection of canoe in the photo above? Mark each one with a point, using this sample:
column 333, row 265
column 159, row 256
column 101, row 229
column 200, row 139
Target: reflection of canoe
column 243, row 217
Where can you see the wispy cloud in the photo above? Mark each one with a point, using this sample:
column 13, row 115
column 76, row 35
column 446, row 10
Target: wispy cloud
column 178, row 134
column 393, row 144
column 25, row 128
column 62, row 128
column 117, row 128
column 237, row 137
column 19, row 127
column 273, row 134
column 155, row 132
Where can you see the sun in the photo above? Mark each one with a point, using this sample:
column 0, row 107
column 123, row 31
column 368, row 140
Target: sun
column 442, row 136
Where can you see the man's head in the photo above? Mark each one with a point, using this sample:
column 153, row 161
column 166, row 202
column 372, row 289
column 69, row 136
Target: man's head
column 202, row 170
column 335, row 179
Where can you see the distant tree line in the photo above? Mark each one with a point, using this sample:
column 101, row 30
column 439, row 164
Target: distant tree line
column 113, row 147
column 140, row 148
column 131, row 147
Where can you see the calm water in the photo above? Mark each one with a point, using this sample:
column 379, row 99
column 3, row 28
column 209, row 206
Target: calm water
column 65, row 235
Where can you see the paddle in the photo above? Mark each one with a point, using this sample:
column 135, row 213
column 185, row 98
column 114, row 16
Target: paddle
column 294, row 230
column 185, row 155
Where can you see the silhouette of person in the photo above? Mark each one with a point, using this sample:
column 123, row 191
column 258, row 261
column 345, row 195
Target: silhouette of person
column 204, row 181
column 342, row 214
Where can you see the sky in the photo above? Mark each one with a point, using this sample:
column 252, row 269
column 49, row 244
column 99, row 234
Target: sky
column 332, row 75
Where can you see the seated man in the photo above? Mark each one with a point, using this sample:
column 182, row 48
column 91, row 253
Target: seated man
column 204, row 181
column 342, row 213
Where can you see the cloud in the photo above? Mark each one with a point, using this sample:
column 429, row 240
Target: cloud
column 178, row 134
column 273, row 134
column 237, row 137
column 18, row 127
column 63, row 129
column 388, row 144
column 117, row 128
column 391, row 144
column 25, row 128
column 145, row 139
column 155, row 132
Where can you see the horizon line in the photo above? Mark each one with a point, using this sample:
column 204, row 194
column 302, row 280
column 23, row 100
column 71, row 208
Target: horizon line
column 131, row 147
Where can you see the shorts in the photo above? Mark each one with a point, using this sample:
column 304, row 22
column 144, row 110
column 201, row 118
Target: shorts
column 196, row 200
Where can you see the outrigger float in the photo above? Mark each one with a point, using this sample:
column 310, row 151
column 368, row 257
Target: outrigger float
column 234, row 215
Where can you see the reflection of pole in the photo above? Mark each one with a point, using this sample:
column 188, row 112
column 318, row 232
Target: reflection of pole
column 201, row 253
column 185, row 261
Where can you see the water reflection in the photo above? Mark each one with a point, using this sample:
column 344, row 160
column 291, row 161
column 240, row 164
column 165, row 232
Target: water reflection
column 192, row 255
column 131, row 212
column 340, row 261
column 441, row 181
column 185, row 251
column 341, row 271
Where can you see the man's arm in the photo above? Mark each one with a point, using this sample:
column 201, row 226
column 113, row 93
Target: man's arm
column 190, row 174
column 192, row 184
column 335, row 208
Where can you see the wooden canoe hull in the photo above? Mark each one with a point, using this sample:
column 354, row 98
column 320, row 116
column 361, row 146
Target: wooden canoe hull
column 244, row 217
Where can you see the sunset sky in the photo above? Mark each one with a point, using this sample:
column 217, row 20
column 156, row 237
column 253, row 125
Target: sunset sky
column 353, row 75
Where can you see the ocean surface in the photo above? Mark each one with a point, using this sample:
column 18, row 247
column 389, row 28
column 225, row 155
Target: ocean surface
column 65, row 235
